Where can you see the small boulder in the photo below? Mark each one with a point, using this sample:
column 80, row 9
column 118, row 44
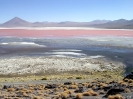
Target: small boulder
column 80, row 90
column 129, row 76
column 6, row 86
column 51, row 86
column 114, row 91
column 67, row 83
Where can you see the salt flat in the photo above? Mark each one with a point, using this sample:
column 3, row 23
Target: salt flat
column 53, row 64
column 61, row 28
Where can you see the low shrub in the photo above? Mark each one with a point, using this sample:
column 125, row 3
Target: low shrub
column 79, row 96
column 78, row 77
column 118, row 96
column 44, row 79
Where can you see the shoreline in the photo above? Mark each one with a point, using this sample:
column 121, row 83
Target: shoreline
column 58, row 67
column 61, row 28
column 52, row 64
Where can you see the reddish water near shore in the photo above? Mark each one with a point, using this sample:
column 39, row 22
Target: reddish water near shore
column 64, row 33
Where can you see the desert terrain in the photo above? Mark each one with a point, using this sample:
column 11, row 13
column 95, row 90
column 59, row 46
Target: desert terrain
column 65, row 63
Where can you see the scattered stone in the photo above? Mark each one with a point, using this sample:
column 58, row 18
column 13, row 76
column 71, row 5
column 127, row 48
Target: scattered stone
column 80, row 90
column 6, row 87
column 51, row 86
column 70, row 90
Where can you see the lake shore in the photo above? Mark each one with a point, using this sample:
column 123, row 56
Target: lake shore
column 53, row 67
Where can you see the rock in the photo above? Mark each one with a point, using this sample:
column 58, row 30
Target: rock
column 6, row 86
column 80, row 90
column 67, row 83
column 130, row 76
column 107, row 88
column 114, row 91
column 51, row 86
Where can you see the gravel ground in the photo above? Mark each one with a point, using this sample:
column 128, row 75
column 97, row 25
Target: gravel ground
column 68, row 89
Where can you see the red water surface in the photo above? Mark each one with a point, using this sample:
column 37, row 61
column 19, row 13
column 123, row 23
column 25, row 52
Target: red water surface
column 64, row 33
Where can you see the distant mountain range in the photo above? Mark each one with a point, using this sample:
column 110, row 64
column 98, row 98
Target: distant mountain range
column 117, row 24
column 18, row 22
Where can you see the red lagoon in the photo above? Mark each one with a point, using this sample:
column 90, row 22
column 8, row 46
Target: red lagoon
column 64, row 33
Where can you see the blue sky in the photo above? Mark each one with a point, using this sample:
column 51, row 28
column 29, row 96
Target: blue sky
column 66, row 10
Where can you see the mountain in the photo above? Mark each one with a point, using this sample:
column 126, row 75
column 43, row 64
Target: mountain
column 64, row 24
column 116, row 24
column 99, row 21
column 16, row 22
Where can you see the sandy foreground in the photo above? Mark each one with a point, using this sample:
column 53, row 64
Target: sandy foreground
column 63, row 32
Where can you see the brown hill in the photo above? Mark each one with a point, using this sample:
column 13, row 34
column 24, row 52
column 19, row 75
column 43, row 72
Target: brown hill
column 16, row 22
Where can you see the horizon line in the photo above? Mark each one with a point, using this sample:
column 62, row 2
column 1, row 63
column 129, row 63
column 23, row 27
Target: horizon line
column 67, row 20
